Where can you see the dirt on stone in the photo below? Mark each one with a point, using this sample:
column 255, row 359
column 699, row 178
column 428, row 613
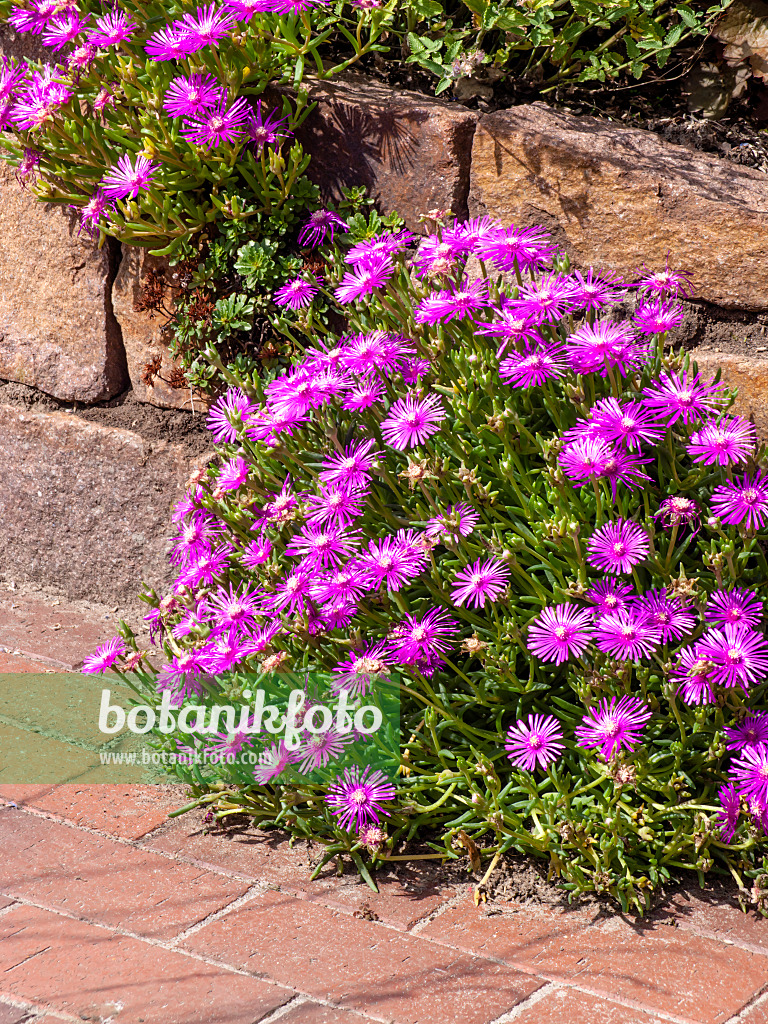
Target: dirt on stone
column 125, row 412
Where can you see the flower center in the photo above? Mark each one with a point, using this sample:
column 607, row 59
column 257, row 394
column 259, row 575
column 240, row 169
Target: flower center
column 619, row 549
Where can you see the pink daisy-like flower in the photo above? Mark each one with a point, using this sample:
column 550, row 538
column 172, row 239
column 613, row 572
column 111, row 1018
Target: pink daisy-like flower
column 126, row 179
column 657, row 316
column 534, row 742
column 191, row 94
column 481, row 582
column 625, row 423
column 266, row 130
column 545, row 300
column 360, row 671
column 293, row 591
column 232, row 608
column 591, row 293
column 353, row 467
column 693, row 674
column 610, row 596
column 363, row 395
column 105, row 656
column 735, row 607
column 112, row 29
column 169, row 43
column 11, row 77
column 217, row 124
column 674, row 396
column 414, row 639
column 317, row 749
column 516, row 248
column 665, row 282
column 676, row 510
column 412, row 420
column 438, row 254
column 585, row 458
column 728, row 818
column 296, row 293
column 614, row 725
column 750, row 773
column 322, row 545
column 750, row 732
column 320, row 224
column 379, row 247
column 592, row 348
column 228, row 415
column 206, row 27
column 448, row 304
column 363, row 280
column 535, row 365
column 228, row 745
column 336, row 505
column 629, row 634
column 390, row 562
column 745, row 502
column 273, row 761
column 98, row 206
column 457, row 520
column 667, row 614
column 232, row 474
column 414, row 370
column 377, row 352
column 344, row 585
column 723, row 444
column 63, row 29
column 617, row 547
column 559, row 632
column 738, row 655
column 623, row 467
column 356, row 797
column 256, row 552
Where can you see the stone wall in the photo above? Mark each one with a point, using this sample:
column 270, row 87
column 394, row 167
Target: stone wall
column 85, row 506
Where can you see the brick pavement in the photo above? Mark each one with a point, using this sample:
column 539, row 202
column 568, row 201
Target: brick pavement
column 109, row 912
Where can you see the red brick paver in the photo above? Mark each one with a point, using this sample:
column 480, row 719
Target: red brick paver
column 90, row 972
column 314, row 1013
column 361, row 965
column 568, row 1006
column 54, row 634
column 100, row 880
column 12, row 1014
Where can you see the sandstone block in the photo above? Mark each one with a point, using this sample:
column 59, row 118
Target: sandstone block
column 747, row 373
column 617, row 198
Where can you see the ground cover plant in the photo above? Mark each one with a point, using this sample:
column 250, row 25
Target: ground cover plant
column 485, row 482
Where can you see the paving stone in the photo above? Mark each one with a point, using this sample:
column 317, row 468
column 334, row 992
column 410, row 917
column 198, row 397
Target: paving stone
column 128, row 812
column 85, row 508
column 5, row 902
column 360, row 965
column 98, row 879
column 653, row 967
column 92, row 973
column 747, row 373
column 409, row 150
column 401, row 902
column 18, row 663
column 618, row 198
column 29, row 758
column 757, row 1014
column 143, row 338
column 12, row 1014
column 55, row 635
column 315, row 1013
column 567, row 1006
column 717, row 915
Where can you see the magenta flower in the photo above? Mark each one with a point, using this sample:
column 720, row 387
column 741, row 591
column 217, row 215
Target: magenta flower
column 335, row 505
column 723, row 444
column 105, row 656
column 595, row 347
column 296, row 293
column 228, row 415
column 169, row 43
column 112, row 29
column 535, row 742
column 626, row 423
column 221, row 123
column 614, row 725
column 320, row 224
column 344, row 585
column 414, row 639
column 585, row 458
column 593, row 293
column 207, row 27
column 256, row 553
column 412, row 420
column 693, row 673
column 675, row 397
column 364, row 395
column 667, row 614
column 360, row 671
column 322, row 545
column 550, row 298
column 353, row 467
column 728, row 818
column 273, row 761
column 379, row 247
column 364, row 279
column 244, row 10
column 735, row 607
column 125, row 180
column 90, row 214
column 63, row 29
column 459, row 521
column 676, row 510
column 557, row 633
column 232, row 474
column 293, row 591
column 535, row 365
column 11, row 77
column 190, row 94
column 751, row 732
column 481, row 582
column 629, row 634
column 266, row 130
column 610, row 596
column 654, row 317
column 738, row 655
column 750, row 773
column 317, row 749
column 356, row 797
column 516, row 248
column 376, row 352
column 666, row 282
column 181, row 677
column 388, row 561
column 617, row 547
column 448, row 304
column 745, row 502
column 623, row 467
